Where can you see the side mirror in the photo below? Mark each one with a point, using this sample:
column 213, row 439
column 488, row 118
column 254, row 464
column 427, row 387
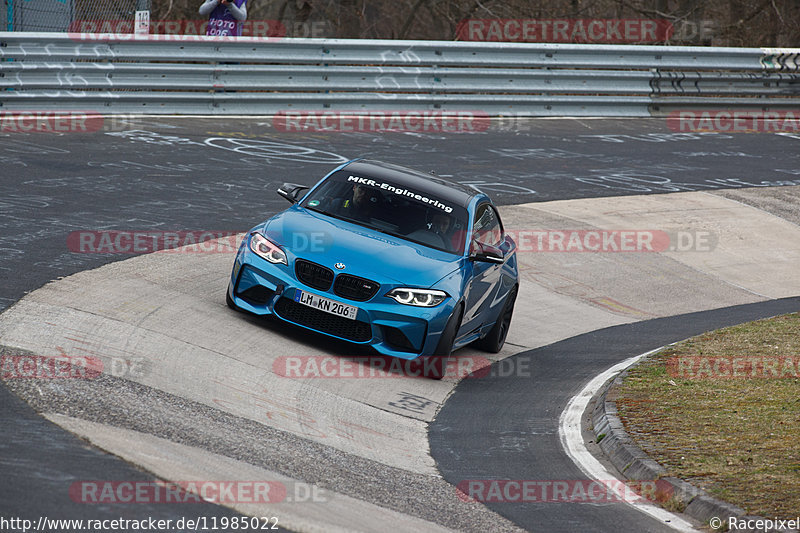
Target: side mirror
column 292, row 191
column 486, row 253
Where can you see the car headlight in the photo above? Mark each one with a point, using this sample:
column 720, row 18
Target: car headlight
column 266, row 249
column 417, row 297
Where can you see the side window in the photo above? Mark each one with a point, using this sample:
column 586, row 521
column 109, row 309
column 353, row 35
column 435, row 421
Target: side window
column 487, row 228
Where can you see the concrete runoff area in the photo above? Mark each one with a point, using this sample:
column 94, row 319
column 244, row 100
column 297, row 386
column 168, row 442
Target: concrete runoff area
column 294, row 504
column 166, row 313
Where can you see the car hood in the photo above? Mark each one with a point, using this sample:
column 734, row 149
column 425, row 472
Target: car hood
column 363, row 251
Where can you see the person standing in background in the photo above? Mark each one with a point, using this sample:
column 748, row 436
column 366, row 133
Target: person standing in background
column 225, row 16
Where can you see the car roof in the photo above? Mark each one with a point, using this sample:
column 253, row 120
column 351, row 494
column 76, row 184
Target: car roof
column 432, row 184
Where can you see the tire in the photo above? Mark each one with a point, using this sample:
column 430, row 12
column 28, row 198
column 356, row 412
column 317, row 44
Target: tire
column 441, row 356
column 494, row 340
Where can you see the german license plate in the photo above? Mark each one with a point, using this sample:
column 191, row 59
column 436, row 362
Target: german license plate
column 324, row 304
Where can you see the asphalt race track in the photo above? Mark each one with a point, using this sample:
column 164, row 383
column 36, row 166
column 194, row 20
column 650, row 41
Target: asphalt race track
column 193, row 392
column 504, row 428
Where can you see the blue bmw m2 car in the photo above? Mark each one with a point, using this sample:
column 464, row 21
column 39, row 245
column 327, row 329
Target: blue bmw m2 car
column 406, row 262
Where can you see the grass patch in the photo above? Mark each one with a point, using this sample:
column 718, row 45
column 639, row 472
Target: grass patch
column 722, row 411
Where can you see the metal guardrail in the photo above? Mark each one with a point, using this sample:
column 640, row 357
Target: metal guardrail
column 209, row 75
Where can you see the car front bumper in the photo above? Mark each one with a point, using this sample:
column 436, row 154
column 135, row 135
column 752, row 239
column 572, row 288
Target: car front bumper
column 390, row 328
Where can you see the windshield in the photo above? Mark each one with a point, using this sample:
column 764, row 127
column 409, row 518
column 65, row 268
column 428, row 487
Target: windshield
column 393, row 209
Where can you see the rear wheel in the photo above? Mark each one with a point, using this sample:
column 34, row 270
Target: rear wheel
column 441, row 356
column 494, row 340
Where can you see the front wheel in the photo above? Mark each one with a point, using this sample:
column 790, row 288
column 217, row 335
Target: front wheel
column 494, row 340
column 441, row 356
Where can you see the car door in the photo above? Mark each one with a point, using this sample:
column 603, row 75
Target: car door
column 484, row 279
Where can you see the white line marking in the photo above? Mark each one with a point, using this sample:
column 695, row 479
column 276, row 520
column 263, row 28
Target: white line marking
column 569, row 432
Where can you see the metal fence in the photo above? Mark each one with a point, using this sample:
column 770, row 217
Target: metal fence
column 206, row 75
column 65, row 15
